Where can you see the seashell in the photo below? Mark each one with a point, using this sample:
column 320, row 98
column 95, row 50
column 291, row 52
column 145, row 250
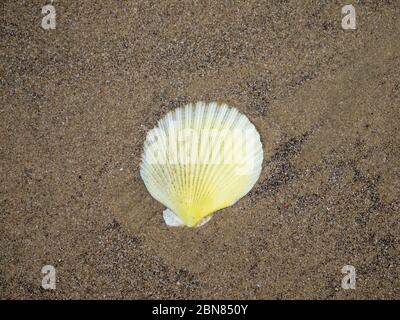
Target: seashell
column 199, row 159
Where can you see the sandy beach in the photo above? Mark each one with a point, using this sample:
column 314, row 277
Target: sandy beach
column 76, row 104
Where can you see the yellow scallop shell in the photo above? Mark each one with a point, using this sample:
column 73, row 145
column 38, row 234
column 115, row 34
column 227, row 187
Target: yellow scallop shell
column 199, row 159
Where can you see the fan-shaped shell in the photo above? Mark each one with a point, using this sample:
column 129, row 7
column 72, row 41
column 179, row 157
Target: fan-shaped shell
column 199, row 159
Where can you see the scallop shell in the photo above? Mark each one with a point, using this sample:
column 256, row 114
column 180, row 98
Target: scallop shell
column 199, row 159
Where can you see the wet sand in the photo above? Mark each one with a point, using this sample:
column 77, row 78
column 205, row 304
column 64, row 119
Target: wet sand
column 77, row 101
